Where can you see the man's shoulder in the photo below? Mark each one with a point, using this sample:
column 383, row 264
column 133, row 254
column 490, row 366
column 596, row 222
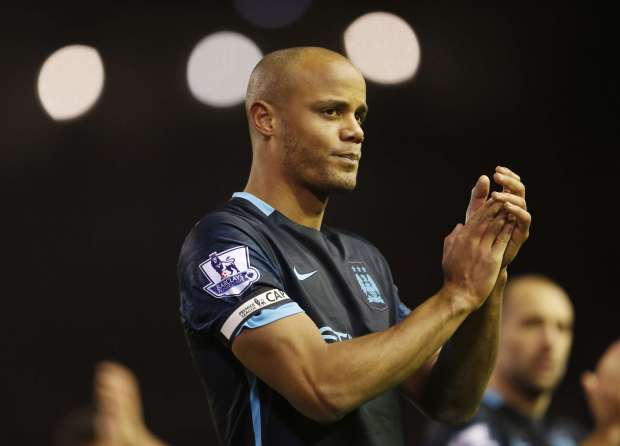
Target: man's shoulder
column 230, row 216
column 480, row 430
column 231, row 222
column 235, row 212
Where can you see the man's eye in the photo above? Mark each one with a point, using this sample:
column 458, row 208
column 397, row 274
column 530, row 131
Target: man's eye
column 360, row 119
column 330, row 112
column 564, row 327
column 532, row 322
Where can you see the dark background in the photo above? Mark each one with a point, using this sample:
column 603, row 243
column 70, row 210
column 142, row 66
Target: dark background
column 95, row 210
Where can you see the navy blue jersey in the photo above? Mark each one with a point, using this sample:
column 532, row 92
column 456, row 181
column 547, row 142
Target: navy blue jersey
column 497, row 424
column 247, row 265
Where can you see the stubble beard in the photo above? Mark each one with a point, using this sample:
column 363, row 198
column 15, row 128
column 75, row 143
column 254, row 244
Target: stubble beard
column 528, row 386
column 306, row 170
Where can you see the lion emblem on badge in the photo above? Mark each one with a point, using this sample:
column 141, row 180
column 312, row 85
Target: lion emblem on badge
column 229, row 272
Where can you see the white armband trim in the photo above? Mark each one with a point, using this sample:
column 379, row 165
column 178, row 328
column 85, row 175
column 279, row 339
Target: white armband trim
column 250, row 307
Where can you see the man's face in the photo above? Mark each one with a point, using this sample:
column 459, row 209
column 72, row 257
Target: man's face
column 536, row 336
column 321, row 125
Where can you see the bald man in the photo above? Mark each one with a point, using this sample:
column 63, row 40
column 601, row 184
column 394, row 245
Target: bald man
column 297, row 328
column 535, row 341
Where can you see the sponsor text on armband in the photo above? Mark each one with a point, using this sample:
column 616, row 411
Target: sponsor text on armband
column 250, row 307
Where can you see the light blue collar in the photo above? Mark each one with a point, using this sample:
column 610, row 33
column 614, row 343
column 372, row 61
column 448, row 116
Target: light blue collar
column 260, row 204
column 493, row 399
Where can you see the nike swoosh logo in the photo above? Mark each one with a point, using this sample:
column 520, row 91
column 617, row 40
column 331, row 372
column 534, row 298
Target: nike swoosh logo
column 303, row 276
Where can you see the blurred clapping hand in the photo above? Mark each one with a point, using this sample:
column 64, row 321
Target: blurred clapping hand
column 602, row 389
column 119, row 420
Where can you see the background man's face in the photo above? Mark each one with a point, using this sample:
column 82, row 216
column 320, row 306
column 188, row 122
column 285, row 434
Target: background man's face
column 322, row 133
column 536, row 336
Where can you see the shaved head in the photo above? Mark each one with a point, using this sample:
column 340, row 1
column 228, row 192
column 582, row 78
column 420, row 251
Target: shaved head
column 274, row 76
column 530, row 284
column 305, row 108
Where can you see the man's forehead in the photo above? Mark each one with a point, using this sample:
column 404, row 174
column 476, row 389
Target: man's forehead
column 291, row 74
column 540, row 299
column 329, row 73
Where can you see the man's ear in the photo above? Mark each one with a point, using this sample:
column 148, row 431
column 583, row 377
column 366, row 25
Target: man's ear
column 262, row 118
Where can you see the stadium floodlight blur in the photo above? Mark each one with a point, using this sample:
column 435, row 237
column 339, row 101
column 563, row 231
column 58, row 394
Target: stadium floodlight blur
column 383, row 46
column 70, row 82
column 272, row 14
column 220, row 66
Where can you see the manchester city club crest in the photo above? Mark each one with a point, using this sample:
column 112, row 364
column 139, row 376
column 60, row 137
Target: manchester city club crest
column 229, row 272
column 368, row 285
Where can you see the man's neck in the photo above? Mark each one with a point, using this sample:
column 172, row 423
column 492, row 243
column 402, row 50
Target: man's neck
column 297, row 204
column 531, row 405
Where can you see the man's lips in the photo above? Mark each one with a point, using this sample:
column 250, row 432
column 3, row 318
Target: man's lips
column 545, row 363
column 348, row 155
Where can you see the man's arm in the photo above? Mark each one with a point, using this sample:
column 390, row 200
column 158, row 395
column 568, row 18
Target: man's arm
column 455, row 380
column 326, row 381
column 436, row 391
column 455, row 384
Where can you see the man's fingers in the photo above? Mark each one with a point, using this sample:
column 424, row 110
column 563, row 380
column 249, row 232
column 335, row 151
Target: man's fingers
column 116, row 390
column 501, row 241
column 481, row 188
column 506, row 171
column 524, row 219
column 588, row 382
column 493, row 229
column 510, row 198
column 486, row 212
column 116, row 375
column 510, row 184
column 483, row 217
column 479, row 195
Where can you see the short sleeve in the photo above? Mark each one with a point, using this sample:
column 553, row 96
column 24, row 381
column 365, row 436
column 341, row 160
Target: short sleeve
column 228, row 280
column 402, row 310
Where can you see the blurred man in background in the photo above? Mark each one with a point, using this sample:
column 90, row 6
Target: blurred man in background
column 536, row 336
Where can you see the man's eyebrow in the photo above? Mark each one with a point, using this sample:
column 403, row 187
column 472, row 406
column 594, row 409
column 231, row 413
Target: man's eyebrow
column 339, row 104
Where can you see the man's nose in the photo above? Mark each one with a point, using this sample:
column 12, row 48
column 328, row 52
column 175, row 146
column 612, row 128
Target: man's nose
column 550, row 335
column 352, row 131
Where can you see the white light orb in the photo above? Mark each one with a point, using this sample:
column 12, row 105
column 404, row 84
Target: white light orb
column 383, row 46
column 70, row 82
column 220, row 66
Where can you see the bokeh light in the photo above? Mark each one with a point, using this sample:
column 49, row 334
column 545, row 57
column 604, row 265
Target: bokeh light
column 383, row 46
column 220, row 66
column 70, row 82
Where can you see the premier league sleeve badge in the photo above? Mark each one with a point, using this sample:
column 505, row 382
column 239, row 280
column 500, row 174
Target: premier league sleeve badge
column 229, row 272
